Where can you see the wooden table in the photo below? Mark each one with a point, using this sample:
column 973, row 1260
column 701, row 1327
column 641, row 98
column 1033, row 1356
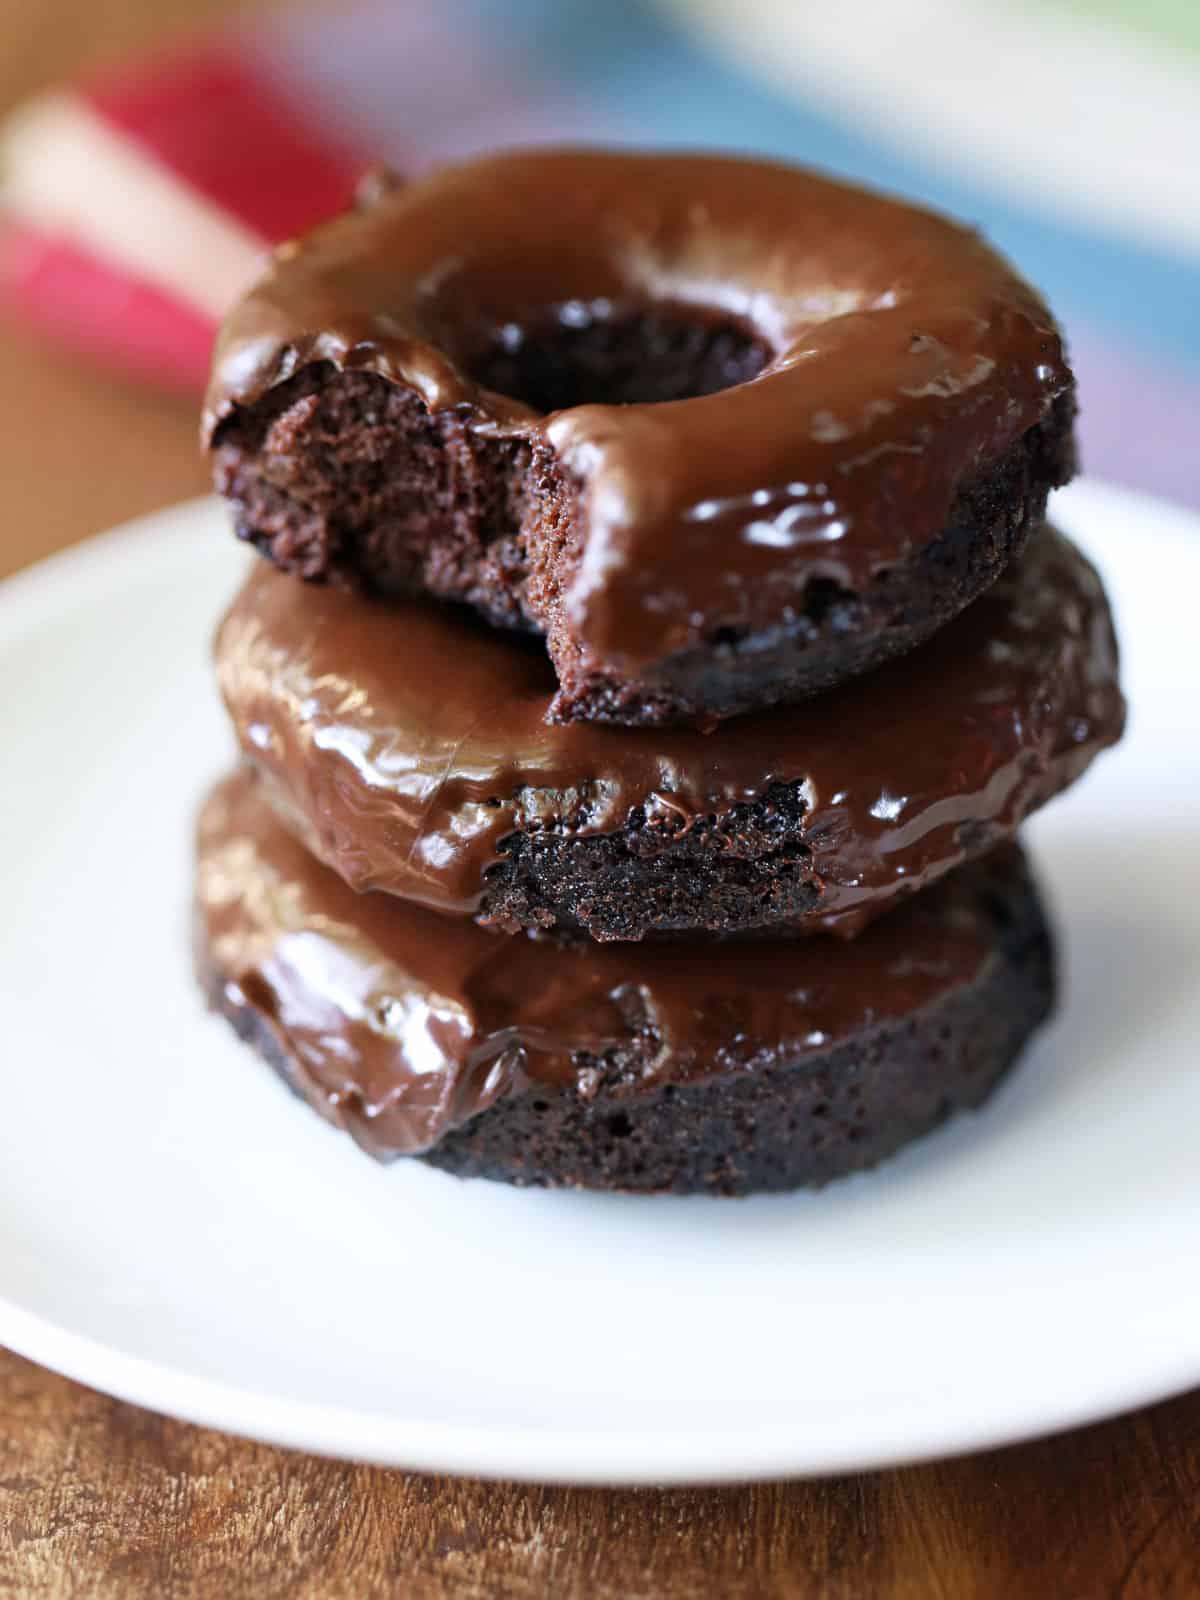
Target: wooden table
column 102, row 1500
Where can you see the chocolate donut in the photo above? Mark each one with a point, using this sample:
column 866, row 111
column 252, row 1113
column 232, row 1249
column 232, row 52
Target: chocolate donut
column 718, row 1067
column 407, row 746
column 724, row 431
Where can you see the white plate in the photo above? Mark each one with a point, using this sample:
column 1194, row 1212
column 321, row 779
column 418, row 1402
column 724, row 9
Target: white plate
column 176, row 1229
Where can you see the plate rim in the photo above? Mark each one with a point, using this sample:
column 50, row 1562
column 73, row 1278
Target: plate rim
column 567, row 1457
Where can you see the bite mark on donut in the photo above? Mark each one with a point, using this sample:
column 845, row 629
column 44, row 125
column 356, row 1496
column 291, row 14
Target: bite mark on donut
column 347, row 476
column 342, row 474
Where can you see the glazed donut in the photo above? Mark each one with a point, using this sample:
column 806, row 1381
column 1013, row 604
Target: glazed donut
column 724, row 431
column 716, row 1068
column 408, row 748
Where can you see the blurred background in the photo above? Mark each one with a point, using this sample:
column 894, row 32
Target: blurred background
column 151, row 149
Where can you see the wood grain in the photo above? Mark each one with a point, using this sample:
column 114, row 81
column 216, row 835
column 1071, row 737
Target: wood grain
column 80, row 451
column 41, row 41
column 102, row 1500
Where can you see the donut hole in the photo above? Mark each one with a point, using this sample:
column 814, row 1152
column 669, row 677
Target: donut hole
column 597, row 353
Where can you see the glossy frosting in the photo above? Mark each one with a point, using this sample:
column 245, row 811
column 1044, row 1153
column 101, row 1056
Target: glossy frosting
column 906, row 358
column 403, row 742
column 399, row 1025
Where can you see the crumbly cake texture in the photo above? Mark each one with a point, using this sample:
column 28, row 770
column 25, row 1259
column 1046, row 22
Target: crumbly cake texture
column 407, row 747
column 761, row 1122
column 724, row 431
column 784, row 1125
column 345, row 477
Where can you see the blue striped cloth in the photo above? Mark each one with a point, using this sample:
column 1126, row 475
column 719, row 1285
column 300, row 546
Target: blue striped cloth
column 1088, row 213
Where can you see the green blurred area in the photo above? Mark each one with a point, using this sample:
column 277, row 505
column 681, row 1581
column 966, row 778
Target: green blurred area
column 1171, row 22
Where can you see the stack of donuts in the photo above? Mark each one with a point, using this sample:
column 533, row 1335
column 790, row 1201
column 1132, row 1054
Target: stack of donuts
column 659, row 644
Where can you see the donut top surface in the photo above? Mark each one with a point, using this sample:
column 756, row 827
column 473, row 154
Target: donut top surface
column 401, row 1024
column 406, row 742
column 881, row 355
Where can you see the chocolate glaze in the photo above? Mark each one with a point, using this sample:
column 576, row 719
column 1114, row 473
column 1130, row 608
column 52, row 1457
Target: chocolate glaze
column 404, row 743
column 905, row 357
column 400, row 1025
